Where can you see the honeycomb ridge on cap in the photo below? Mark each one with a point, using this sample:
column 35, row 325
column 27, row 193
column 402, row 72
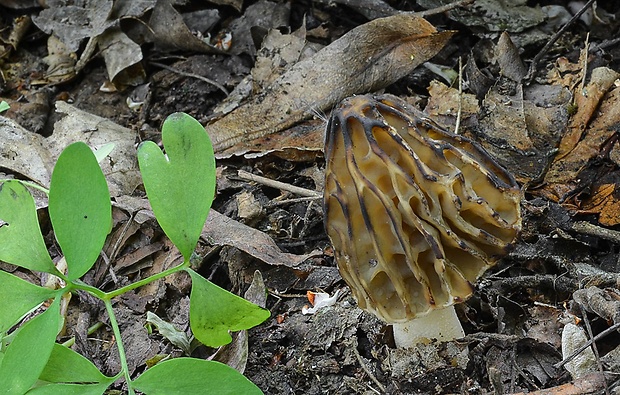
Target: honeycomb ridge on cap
column 415, row 213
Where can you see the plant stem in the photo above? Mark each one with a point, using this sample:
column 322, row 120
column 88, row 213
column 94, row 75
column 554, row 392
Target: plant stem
column 119, row 345
column 29, row 184
column 92, row 329
column 107, row 299
column 78, row 284
column 144, row 281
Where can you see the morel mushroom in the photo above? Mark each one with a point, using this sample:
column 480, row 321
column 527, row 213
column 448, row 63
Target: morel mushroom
column 415, row 214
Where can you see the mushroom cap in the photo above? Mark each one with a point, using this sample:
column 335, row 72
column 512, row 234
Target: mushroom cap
column 415, row 213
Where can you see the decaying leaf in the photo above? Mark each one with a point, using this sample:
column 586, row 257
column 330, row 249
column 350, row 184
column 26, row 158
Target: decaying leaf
column 24, row 152
column 262, row 15
column 573, row 337
column 236, row 4
column 593, row 124
column 587, row 101
column 235, row 354
column 444, row 102
column 366, row 59
column 301, row 143
column 120, row 167
column 221, row 230
column 494, row 15
column 171, row 32
column 277, row 53
column 507, row 55
column 177, row 337
column 604, row 200
column 120, row 54
column 371, row 9
column 519, row 130
column 9, row 44
column 72, row 23
column 60, row 61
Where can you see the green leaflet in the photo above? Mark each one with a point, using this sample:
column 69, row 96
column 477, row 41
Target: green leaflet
column 213, row 312
column 21, row 242
column 180, row 185
column 79, row 207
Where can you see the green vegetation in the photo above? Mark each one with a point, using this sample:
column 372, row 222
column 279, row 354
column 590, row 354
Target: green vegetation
column 180, row 186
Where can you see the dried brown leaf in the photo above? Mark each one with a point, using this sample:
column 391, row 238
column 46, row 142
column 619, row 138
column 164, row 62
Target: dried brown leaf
column 562, row 176
column 366, row 59
column 120, row 53
column 221, row 230
column 171, row 31
column 262, row 15
column 443, row 104
column 604, row 201
column 277, row 53
column 507, row 55
column 587, row 101
column 520, row 130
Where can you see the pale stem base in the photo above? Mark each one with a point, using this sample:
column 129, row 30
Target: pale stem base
column 440, row 324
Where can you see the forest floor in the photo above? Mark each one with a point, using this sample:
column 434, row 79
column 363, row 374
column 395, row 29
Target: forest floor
column 552, row 122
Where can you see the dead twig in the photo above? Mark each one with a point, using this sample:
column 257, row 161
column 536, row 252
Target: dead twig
column 533, row 66
column 587, row 344
column 278, row 185
column 365, row 368
column 589, row 229
column 444, row 8
column 459, row 113
column 599, row 365
column 291, row 201
column 191, row 75
column 589, row 384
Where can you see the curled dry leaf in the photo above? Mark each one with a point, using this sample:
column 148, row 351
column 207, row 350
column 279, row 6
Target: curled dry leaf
column 262, row 15
column 221, row 230
column 60, row 62
column 171, row 31
column 120, row 54
column 588, row 131
column 507, row 55
column 587, row 101
column 366, row 59
column 74, row 22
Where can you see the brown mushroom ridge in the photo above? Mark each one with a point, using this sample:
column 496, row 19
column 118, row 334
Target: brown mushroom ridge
column 415, row 213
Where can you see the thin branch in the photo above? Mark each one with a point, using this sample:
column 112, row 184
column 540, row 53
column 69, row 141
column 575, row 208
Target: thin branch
column 444, row 8
column 532, row 71
column 587, row 344
column 279, row 185
column 191, row 75
column 365, row 368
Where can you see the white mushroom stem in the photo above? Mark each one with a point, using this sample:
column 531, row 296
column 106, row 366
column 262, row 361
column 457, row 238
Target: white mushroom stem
column 440, row 324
